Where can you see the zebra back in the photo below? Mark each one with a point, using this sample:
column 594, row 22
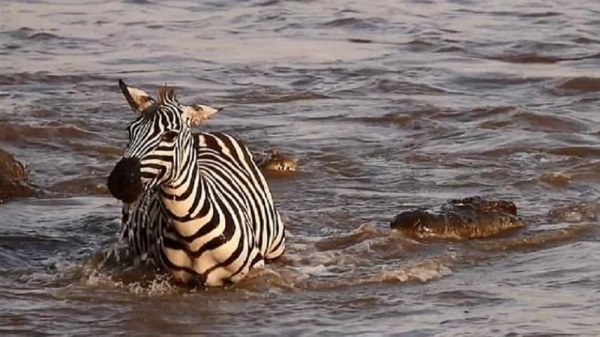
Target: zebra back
column 229, row 172
column 225, row 161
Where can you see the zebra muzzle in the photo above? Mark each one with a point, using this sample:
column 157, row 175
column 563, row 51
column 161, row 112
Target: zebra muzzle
column 124, row 182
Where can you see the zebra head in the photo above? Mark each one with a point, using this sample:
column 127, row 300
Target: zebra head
column 160, row 141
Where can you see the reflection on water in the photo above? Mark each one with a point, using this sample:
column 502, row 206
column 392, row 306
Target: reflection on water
column 388, row 106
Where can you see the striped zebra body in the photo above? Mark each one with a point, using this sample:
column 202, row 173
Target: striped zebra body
column 206, row 213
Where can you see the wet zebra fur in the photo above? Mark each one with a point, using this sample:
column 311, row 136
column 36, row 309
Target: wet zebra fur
column 195, row 205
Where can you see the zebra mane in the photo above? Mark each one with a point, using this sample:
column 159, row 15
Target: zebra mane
column 166, row 94
column 147, row 113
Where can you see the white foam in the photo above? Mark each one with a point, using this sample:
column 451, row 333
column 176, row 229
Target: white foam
column 357, row 256
column 352, row 258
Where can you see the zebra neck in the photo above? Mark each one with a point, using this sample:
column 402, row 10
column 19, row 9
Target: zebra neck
column 181, row 197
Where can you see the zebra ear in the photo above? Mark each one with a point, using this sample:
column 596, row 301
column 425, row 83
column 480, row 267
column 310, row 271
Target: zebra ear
column 138, row 99
column 198, row 113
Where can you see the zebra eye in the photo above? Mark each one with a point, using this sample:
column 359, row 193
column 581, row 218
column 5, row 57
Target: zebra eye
column 169, row 136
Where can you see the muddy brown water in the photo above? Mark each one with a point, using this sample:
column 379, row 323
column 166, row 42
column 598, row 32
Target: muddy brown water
column 389, row 105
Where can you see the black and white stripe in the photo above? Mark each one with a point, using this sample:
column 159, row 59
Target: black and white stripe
column 206, row 213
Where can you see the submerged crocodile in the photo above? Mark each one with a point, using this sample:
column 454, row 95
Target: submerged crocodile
column 13, row 178
column 468, row 218
column 273, row 160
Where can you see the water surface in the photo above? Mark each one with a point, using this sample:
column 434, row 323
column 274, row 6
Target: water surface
column 389, row 105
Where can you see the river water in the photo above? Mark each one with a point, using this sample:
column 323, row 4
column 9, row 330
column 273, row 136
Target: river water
column 389, row 105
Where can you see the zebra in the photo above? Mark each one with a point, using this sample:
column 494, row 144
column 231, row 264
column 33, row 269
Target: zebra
column 195, row 205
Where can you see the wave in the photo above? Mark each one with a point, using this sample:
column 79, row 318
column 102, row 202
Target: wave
column 531, row 52
column 540, row 239
column 387, row 86
column 575, row 151
column 576, row 86
column 532, row 120
column 47, row 78
column 86, row 185
column 355, row 23
column 365, row 255
column 362, row 41
column 337, row 259
column 14, row 132
column 488, row 117
column 31, row 34
column 576, row 213
column 265, row 96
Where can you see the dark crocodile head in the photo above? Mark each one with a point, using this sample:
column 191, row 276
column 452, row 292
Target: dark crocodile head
column 467, row 218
